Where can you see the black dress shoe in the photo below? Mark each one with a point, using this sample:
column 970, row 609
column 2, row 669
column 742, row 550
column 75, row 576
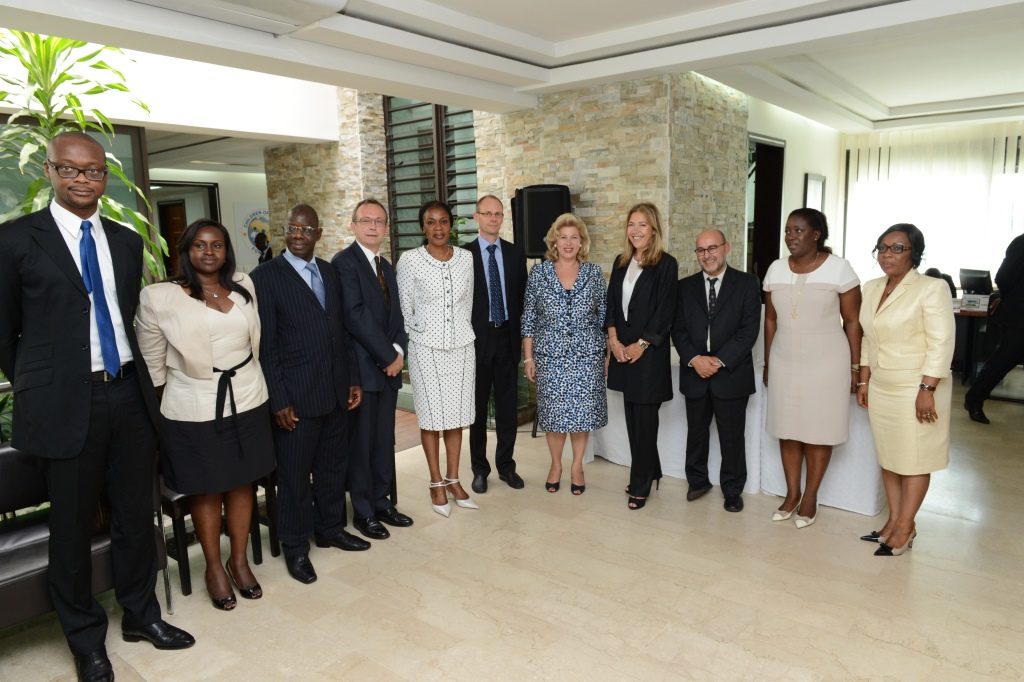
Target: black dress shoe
column 733, row 503
column 976, row 413
column 696, row 493
column 160, row 634
column 480, row 483
column 345, row 541
column 94, row 667
column 513, row 479
column 393, row 517
column 300, row 568
column 371, row 528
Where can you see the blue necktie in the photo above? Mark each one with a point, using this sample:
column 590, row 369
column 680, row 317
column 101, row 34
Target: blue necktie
column 94, row 285
column 494, row 287
column 317, row 284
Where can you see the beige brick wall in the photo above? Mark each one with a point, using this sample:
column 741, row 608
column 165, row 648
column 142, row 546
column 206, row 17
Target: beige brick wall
column 331, row 177
column 676, row 140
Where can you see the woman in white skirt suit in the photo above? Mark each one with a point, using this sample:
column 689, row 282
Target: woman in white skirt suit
column 435, row 286
column 909, row 333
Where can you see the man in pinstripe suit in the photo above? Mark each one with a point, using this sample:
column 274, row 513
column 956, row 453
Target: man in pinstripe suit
column 308, row 360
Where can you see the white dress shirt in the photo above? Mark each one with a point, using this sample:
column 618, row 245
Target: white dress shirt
column 71, row 229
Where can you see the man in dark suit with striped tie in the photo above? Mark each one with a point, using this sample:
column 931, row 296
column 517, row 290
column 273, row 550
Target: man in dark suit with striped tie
column 84, row 401
column 373, row 316
column 309, row 364
column 499, row 286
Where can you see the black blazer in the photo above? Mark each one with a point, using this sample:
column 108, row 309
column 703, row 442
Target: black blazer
column 1010, row 280
column 306, row 353
column 734, row 330
column 649, row 379
column 514, row 261
column 372, row 326
column 44, row 331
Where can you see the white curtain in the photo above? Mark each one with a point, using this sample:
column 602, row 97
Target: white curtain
column 962, row 186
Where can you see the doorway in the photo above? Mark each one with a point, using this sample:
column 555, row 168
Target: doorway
column 764, row 202
column 172, row 219
column 179, row 204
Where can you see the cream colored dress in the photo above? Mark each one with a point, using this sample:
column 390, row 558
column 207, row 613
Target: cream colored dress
column 809, row 367
column 910, row 336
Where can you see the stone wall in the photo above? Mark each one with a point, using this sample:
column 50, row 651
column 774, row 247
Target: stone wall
column 676, row 140
column 331, row 177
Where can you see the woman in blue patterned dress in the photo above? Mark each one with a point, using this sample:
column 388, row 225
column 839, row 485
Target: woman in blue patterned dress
column 564, row 346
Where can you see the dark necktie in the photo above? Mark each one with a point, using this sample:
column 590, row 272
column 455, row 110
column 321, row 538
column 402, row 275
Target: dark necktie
column 494, row 287
column 383, row 282
column 712, row 297
column 93, row 280
column 317, row 284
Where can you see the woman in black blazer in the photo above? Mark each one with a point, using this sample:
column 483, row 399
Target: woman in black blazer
column 641, row 302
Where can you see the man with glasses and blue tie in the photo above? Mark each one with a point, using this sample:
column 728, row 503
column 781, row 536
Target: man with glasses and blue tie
column 309, row 363
column 718, row 317
column 499, row 285
column 373, row 316
column 69, row 287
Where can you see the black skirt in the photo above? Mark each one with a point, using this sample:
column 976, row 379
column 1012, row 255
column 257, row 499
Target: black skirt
column 195, row 458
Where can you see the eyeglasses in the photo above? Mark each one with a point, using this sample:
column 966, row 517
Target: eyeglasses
column 895, row 249
column 366, row 222
column 69, row 172
column 711, row 250
column 307, row 230
column 491, row 214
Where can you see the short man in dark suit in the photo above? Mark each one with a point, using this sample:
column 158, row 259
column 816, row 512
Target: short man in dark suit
column 499, row 285
column 718, row 315
column 83, row 404
column 309, row 364
column 1009, row 315
column 373, row 316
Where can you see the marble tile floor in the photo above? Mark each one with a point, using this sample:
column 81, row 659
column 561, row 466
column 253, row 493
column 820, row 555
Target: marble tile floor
column 551, row 586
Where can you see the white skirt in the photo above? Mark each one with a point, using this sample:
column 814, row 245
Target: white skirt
column 443, row 386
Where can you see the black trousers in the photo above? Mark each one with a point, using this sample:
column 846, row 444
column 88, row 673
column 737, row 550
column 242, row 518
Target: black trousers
column 118, row 456
column 317, row 447
column 371, row 465
column 731, row 416
column 1007, row 355
column 642, row 431
column 496, row 368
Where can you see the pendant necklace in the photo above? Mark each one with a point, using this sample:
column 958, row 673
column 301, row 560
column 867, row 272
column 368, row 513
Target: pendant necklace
column 794, row 307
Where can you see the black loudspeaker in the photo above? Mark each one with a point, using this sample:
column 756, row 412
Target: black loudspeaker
column 534, row 209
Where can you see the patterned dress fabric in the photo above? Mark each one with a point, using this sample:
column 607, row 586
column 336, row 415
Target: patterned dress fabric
column 437, row 302
column 567, row 327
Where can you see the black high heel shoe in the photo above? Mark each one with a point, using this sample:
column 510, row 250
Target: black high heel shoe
column 577, row 489
column 635, row 502
column 873, row 536
column 222, row 603
column 552, row 487
column 254, row 591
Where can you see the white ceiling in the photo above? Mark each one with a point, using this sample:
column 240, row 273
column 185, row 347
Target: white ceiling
column 854, row 65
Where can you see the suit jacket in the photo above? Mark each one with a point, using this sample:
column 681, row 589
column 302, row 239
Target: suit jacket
column 373, row 326
column 913, row 330
column 651, row 307
column 307, row 354
column 1010, row 280
column 44, row 331
column 173, row 330
column 734, row 327
column 514, row 261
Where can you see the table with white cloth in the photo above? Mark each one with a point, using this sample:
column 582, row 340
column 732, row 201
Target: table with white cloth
column 853, row 481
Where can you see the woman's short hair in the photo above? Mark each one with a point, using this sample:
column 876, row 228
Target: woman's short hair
column 914, row 235
column 567, row 220
column 817, row 222
column 435, row 203
column 186, row 275
column 655, row 248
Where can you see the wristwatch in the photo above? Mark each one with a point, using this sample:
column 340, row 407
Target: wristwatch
column 644, row 344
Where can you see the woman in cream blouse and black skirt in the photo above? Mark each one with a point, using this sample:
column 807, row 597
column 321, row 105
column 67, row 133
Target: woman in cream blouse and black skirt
column 435, row 287
column 199, row 333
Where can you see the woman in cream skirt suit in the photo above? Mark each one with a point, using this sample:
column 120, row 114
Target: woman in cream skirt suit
column 904, row 379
